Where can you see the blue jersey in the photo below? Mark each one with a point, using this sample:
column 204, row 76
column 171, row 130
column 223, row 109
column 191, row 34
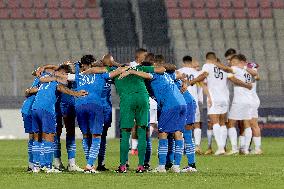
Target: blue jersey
column 106, row 93
column 27, row 105
column 46, row 97
column 66, row 98
column 166, row 92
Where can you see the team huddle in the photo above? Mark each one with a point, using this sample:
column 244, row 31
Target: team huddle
column 152, row 93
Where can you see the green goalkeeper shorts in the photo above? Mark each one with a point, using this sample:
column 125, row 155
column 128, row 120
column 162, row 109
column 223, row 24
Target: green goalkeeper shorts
column 134, row 109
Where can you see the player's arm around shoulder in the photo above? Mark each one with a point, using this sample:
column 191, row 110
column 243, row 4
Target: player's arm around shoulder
column 238, row 82
column 224, row 67
column 142, row 74
column 64, row 89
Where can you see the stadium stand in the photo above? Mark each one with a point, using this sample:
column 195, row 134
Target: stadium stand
column 253, row 26
column 37, row 32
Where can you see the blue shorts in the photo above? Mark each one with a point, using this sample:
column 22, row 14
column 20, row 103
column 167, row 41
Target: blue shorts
column 67, row 109
column 43, row 121
column 190, row 113
column 172, row 120
column 90, row 118
column 107, row 111
column 28, row 123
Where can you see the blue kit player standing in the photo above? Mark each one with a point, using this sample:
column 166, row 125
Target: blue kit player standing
column 44, row 119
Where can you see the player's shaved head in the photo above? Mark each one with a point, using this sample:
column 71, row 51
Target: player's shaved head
column 107, row 60
column 140, row 55
column 211, row 56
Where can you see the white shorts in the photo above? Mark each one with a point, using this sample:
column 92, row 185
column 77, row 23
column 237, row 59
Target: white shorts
column 217, row 108
column 254, row 108
column 240, row 111
column 197, row 114
column 153, row 116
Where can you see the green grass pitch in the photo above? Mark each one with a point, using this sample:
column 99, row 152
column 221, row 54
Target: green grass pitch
column 265, row 171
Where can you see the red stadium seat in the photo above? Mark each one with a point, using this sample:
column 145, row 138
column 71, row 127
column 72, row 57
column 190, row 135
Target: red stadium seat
column 173, row 13
column 91, row 3
column 225, row 4
column 186, row 13
column 198, row 3
column 171, row 3
column 52, row 3
column 266, row 13
column 66, row 3
column 2, row 4
column 211, row 4
column 28, row 13
column 79, row 3
column 199, row 13
column 184, row 3
column 226, row 13
column 16, row 13
column 54, row 13
column 253, row 13
column 252, row 3
column 27, row 4
column 265, row 4
column 213, row 13
column 239, row 4
column 278, row 4
column 39, row 3
column 93, row 13
column 13, row 4
column 80, row 13
column 67, row 13
column 4, row 13
column 239, row 13
column 40, row 13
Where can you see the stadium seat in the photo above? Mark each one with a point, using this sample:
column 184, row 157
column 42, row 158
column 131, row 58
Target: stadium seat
column 54, row 13
column 239, row 4
column 13, row 4
column 83, row 24
column 252, row 3
column 213, row 13
column 186, row 13
column 52, row 3
column 56, row 24
column 199, row 4
column 253, row 13
column 265, row 3
column 41, row 13
column 215, row 24
column 60, row 44
column 4, row 13
column 70, row 24
column 39, row 3
column 239, row 13
column 79, row 3
column 171, row 3
column 212, row 4
column 66, row 3
column 27, row 4
column 67, row 13
column 225, row 4
column 228, row 24
column 226, row 13
column 93, row 13
column 278, row 4
column 2, row 4
column 173, row 13
column 16, row 13
column 199, row 13
column 28, row 13
column 266, row 13
column 184, row 3
column 80, row 13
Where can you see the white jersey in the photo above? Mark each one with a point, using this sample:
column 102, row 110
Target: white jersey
column 133, row 64
column 242, row 95
column 192, row 74
column 217, row 83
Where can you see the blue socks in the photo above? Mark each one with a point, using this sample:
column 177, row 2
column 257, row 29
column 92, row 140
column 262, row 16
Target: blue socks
column 171, row 149
column 48, row 153
column 42, row 156
column 71, row 146
column 94, row 150
column 57, row 147
column 163, row 151
column 30, row 148
column 86, row 143
column 148, row 150
column 189, row 146
column 178, row 151
column 102, row 152
column 36, row 153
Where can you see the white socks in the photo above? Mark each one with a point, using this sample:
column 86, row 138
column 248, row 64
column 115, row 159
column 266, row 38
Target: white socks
column 209, row 137
column 248, row 136
column 197, row 136
column 224, row 133
column 242, row 142
column 151, row 131
column 134, row 144
column 257, row 142
column 217, row 135
column 71, row 161
column 233, row 138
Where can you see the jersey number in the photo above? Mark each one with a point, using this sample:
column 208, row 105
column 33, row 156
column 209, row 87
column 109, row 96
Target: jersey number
column 190, row 77
column 218, row 73
column 248, row 77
